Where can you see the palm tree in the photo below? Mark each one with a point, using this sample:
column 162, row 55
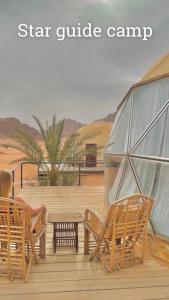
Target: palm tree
column 58, row 153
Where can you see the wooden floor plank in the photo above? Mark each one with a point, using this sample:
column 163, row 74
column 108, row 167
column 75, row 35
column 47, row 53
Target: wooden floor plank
column 85, row 284
column 150, row 293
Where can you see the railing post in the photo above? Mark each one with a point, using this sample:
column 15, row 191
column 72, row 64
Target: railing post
column 79, row 175
column 21, row 175
column 13, row 184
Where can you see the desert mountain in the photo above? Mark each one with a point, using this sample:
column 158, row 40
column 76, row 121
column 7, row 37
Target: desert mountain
column 109, row 118
column 70, row 126
column 8, row 126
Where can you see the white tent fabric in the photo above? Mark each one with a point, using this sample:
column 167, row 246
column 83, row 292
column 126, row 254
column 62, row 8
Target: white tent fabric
column 146, row 172
column 116, row 144
column 160, row 215
column 147, row 102
column 114, row 170
column 152, row 143
column 129, row 185
column 141, row 136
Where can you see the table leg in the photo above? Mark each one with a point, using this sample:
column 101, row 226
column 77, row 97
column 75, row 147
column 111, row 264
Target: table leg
column 54, row 237
column 76, row 232
column 43, row 245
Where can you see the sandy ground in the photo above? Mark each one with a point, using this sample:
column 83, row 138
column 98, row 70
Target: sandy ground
column 7, row 156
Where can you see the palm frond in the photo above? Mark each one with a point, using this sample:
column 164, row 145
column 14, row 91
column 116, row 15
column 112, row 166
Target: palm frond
column 26, row 144
column 54, row 140
column 29, row 141
column 22, row 148
column 69, row 148
column 73, row 148
column 88, row 136
column 42, row 130
column 54, row 122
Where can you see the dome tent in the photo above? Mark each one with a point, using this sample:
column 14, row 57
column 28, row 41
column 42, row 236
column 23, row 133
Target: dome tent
column 137, row 153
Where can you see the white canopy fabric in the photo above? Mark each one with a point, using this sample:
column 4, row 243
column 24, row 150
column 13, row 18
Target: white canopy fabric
column 140, row 137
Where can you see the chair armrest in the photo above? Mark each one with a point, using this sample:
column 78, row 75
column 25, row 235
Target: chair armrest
column 93, row 221
column 38, row 222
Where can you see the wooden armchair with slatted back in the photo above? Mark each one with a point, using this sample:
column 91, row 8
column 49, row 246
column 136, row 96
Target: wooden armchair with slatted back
column 20, row 237
column 120, row 240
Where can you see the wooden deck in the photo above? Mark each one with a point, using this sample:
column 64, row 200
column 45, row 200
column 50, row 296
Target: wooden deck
column 70, row 276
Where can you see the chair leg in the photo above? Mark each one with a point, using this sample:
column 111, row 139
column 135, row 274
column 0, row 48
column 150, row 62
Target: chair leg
column 11, row 276
column 111, row 265
column 26, row 274
column 86, row 241
column 144, row 247
column 96, row 250
column 33, row 250
column 43, row 246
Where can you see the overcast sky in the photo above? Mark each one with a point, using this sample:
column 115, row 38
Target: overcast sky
column 82, row 79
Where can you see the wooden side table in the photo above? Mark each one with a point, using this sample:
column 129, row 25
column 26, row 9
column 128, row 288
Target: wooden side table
column 65, row 229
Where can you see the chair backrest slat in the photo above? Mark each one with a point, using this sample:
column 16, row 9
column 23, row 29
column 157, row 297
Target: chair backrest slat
column 15, row 223
column 128, row 216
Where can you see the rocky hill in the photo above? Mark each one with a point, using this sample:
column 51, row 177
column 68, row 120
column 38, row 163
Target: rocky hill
column 8, row 126
column 70, row 126
column 108, row 118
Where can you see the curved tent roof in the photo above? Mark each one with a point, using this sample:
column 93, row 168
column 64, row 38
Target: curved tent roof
column 160, row 68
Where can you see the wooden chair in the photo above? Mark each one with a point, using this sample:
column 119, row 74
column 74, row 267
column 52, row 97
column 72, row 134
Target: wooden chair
column 117, row 238
column 20, row 238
